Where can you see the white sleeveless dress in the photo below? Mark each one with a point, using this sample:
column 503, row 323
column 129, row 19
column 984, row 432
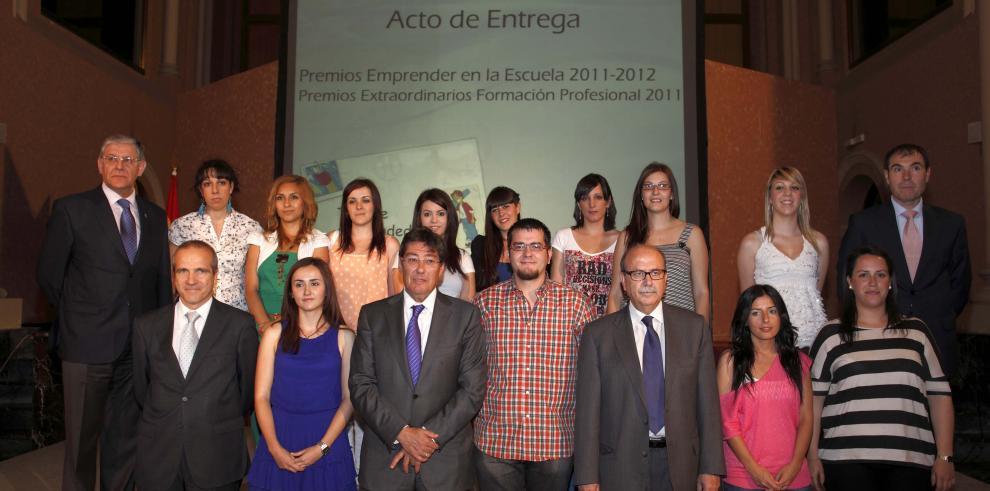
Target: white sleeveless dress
column 797, row 282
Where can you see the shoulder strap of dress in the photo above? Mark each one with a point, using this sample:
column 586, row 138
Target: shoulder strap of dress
column 686, row 232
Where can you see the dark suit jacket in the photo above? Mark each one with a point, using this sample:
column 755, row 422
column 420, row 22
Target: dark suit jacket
column 611, row 441
column 446, row 399
column 940, row 288
column 85, row 273
column 201, row 414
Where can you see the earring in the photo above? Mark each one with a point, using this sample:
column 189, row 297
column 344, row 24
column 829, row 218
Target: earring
column 850, row 287
column 202, row 208
column 230, row 207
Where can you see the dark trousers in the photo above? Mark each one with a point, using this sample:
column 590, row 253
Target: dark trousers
column 100, row 413
column 495, row 474
column 659, row 470
column 876, row 477
column 184, row 483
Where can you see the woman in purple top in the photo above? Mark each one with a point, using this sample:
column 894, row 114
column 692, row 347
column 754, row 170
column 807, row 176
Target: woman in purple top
column 765, row 393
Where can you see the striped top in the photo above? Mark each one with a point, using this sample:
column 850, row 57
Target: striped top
column 677, row 256
column 876, row 392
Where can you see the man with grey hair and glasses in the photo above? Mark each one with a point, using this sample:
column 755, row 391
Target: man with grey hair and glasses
column 104, row 261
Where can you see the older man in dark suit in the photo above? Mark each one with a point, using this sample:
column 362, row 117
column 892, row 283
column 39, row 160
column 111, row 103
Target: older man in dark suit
column 194, row 368
column 647, row 405
column 417, row 379
column 104, row 262
column 926, row 243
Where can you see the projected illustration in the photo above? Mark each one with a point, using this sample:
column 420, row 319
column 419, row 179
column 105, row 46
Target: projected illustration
column 324, row 178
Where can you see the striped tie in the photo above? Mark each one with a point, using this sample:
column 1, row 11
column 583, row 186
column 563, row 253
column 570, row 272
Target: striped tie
column 413, row 347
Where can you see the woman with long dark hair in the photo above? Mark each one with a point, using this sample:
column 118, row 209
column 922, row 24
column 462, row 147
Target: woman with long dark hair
column 654, row 221
column 788, row 254
column 301, row 396
column 435, row 211
column 765, row 394
column 582, row 254
column 289, row 235
column 490, row 252
column 362, row 255
column 217, row 223
column 883, row 408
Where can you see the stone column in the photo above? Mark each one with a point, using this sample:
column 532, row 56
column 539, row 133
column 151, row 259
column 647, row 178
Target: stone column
column 170, row 38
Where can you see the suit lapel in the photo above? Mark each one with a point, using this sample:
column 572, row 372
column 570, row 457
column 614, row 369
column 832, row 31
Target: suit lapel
column 625, row 345
column 438, row 330
column 108, row 223
column 927, row 240
column 146, row 230
column 396, row 334
column 166, row 326
column 215, row 322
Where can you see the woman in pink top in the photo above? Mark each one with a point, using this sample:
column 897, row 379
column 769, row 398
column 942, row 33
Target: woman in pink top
column 765, row 392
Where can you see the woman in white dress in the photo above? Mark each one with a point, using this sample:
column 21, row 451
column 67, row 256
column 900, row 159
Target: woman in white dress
column 582, row 254
column 435, row 211
column 788, row 254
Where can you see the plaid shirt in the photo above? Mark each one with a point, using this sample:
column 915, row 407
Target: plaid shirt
column 528, row 413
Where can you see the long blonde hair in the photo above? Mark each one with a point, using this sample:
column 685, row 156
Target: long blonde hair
column 804, row 210
column 274, row 224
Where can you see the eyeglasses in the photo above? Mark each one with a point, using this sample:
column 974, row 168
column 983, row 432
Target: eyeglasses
column 504, row 206
column 113, row 159
column 649, row 186
column 639, row 275
column 522, row 246
column 415, row 262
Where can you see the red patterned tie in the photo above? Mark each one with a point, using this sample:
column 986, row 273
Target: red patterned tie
column 911, row 242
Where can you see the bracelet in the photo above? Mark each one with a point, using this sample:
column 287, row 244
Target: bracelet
column 324, row 448
column 946, row 458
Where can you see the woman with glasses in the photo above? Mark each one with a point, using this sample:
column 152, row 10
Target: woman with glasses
column 301, row 394
column 219, row 225
column 436, row 212
column 882, row 405
column 288, row 236
column 582, row 254
column 765, row 394
column 788, row 254
column 490, row 252
column 654, row 221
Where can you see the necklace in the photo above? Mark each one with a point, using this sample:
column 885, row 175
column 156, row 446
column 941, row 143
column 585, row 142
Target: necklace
column 320, row 327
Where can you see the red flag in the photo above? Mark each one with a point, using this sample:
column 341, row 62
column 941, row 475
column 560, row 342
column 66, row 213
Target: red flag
column 172, row 206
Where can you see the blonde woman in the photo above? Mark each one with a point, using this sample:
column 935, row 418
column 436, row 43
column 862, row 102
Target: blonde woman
column 787, row 254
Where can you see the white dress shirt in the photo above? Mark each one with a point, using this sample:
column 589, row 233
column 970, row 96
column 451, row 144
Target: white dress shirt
column 425, row 317
column 919, row 220
column 639, row 334
column 112, row 197
column 179, row 322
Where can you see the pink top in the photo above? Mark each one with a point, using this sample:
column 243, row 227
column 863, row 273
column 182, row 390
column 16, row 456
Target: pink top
column 765, row 414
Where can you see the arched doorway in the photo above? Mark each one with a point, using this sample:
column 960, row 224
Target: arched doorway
column 861, row 184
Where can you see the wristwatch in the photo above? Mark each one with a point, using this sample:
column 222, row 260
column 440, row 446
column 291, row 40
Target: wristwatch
column 947, row 458
column 324, row 448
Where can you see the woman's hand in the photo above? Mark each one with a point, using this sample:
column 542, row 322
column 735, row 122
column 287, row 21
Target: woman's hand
column 307, row 456
column 943, row 475
column 817, row 473
column 763, row 478
column 788, row 472
column 284, row 460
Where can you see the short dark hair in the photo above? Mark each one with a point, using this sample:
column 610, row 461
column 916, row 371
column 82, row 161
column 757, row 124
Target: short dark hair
column 199, row 244
column 905, row 149
column 217, row 168
column 426, row 237
column 529, row 224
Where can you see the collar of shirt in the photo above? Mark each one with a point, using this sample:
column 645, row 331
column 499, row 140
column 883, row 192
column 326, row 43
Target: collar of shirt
column 540, row 292
column 179, row 322
column 112, row 198
column 639, row 330
column 425, row 318
column 902, row 220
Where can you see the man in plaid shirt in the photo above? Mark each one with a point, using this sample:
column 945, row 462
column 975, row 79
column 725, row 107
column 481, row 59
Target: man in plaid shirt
column 525, row 430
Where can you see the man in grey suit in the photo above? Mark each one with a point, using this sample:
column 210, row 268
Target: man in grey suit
column 417, row 379
column 193, row 378
column 647, row 404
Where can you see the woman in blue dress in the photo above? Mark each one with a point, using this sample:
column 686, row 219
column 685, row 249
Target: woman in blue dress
column 301, row 397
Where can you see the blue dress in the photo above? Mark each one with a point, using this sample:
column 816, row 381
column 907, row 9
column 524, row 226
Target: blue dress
column 305, row 395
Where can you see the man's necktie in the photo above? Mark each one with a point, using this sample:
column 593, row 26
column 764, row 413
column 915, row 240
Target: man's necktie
column 187, row 342
column 413, row 346
column 128, row 230
column 653, row 384
column 911, row 242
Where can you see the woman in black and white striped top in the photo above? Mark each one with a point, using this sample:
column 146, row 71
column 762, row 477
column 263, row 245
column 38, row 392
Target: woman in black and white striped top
column 883, row 409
